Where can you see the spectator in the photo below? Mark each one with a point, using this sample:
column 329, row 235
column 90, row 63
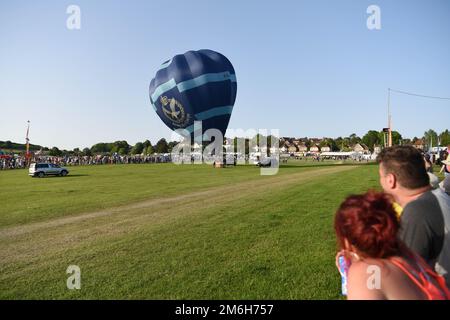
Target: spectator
column 19, row 162
column 403, row 176
column 443, row 262
column 445, row 167
column 428, row 163
column 367, row 231
column 445, row 185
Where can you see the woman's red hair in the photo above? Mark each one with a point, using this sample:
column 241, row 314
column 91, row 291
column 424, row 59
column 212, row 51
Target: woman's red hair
column 369, row 223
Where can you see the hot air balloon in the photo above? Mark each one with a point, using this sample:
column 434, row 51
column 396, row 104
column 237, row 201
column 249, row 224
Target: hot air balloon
column 195, row 86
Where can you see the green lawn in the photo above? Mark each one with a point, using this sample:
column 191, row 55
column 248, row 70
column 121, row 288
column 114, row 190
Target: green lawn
column 219, row 233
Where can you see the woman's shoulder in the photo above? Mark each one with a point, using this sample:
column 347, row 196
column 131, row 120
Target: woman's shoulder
column 386, row 278
column 365, row 278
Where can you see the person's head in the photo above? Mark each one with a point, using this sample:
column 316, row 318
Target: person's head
column 402, row 167
column 367, row 225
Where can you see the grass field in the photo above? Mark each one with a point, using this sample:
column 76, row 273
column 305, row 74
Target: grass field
column 163, row 231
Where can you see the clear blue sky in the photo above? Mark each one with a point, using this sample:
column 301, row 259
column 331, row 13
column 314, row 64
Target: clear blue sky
column 309, row 68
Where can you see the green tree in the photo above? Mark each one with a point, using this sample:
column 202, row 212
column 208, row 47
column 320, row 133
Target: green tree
column 308, row 143
column 328, row 142
column 55, row 152
column 149, row 150
column 430, row 138
column 162, row 146
column 343, row 144
column 396, row 138
column 100, row 147
column 122, row 147
column 147, row 144
column 339, row 143
column 138, row 148
column 324, row 143
column 445, row 138
column 87, row 152
column 371, row 138
column 354, row 139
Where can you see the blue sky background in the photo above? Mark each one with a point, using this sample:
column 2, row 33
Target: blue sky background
column 308, row 68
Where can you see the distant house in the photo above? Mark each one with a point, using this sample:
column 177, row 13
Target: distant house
column 325, row 148
column 360, row 148
column 302, row 147
column 365, row 147
column 315, row 148
column 419, row 144
column 292, row 148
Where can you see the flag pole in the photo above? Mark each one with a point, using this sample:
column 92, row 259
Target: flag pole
column 389, row 119
column 27, row 155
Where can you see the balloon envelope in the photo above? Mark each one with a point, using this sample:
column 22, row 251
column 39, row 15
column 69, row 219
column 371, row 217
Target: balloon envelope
column 196, row 85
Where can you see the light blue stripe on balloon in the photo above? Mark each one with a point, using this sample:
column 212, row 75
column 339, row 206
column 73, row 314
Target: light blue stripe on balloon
column 205, row 115
column 193, row 83
column 219, row 111
column 204, row 79
column 166, row 86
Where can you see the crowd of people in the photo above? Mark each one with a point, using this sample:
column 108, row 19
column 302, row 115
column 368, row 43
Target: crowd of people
column 403, row 232
column 12, row 163
column 21, row 162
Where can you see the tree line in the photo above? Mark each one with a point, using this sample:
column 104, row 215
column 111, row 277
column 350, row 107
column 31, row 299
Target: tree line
column 372, row 138
column 120, row 147
column 375, row 138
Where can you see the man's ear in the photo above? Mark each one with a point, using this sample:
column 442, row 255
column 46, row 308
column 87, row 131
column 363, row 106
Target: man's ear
column 391, row 180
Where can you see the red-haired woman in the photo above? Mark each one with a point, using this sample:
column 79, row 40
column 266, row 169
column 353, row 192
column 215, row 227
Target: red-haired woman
column 379, row 264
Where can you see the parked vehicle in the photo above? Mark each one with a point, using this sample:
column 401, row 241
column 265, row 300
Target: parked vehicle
column 45, row 169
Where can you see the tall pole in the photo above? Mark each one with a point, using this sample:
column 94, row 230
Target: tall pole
column 389, row 119
column 27, row 155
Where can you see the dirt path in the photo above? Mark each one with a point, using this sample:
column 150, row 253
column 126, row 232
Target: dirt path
column 240, row 189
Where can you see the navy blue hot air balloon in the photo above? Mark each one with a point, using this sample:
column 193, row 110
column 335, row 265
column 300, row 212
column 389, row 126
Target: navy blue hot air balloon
column 197, row 85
